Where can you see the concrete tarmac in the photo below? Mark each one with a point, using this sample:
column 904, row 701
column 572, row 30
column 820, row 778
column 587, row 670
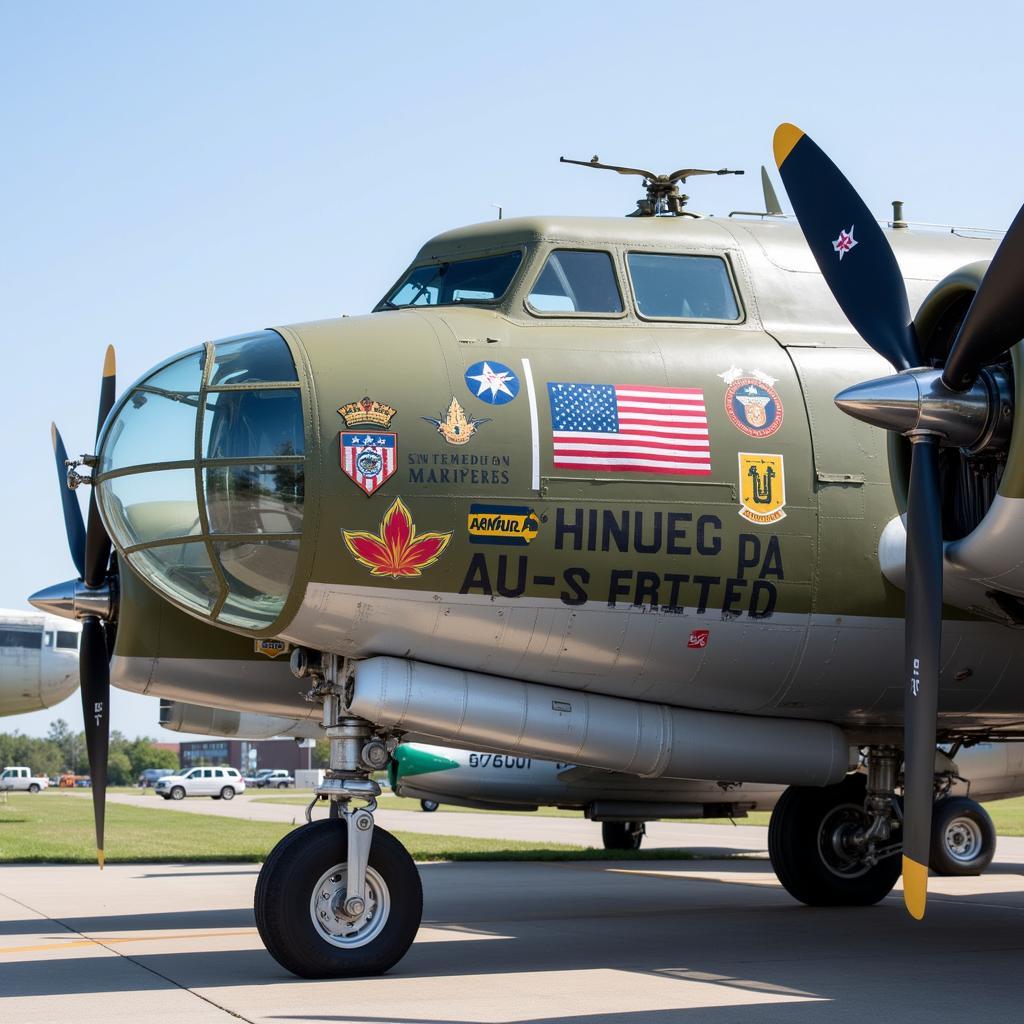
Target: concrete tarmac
column 648, row 942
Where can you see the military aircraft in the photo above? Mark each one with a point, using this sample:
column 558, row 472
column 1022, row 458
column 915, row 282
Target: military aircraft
column 38, row 661
column 963, row 834
column 580, row 489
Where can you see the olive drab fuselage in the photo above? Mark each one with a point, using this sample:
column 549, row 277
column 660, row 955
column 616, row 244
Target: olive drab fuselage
column 447, row 519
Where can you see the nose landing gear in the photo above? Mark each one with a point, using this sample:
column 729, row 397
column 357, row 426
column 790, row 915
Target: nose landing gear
column 340, row 897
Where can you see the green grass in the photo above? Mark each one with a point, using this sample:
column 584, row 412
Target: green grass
column 55, row 827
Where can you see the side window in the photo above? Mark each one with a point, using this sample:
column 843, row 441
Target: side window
column 573, row 281
column 191, row 774
column 48, row 639
column 67, row 640
column 682, row 287
column 207, row 773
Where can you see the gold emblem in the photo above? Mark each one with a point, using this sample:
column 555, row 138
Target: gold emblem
column 367, row 412
column 271, row 648
column 456, row 427
column 762, row 488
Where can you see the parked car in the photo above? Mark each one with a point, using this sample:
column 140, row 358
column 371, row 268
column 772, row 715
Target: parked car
column 270, row 778
column 218, row 783
column 18, row 777
column 151, row 776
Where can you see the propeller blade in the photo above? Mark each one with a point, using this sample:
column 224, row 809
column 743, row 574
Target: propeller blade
column 995, row 319
column 74, row 527
column 850, row 248
column 923, row 641
column 94, row 671
column 108, row 388
column 97, row 546
column 97, row 543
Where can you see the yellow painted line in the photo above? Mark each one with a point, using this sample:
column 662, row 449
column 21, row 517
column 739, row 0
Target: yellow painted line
column 117, row 941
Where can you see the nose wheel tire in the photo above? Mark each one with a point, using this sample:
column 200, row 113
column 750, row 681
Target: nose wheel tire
column 622, row 835
column 963, row 837
column 809, row 843
column 300, row 896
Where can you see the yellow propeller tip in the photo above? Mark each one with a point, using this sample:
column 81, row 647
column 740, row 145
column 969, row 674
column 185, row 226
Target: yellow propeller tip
column 100, row 858
column 915, row 887
column 786, row 137
column 109, row 362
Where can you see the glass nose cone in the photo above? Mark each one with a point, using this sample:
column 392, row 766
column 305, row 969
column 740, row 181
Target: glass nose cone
column 201, row 478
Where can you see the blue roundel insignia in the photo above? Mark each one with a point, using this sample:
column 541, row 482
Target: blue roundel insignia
column 493, row 383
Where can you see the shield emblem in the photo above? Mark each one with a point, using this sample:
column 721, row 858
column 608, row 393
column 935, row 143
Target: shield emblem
column 369, row 459
column 762, row 487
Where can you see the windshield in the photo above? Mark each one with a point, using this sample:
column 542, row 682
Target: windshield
column 482, row 280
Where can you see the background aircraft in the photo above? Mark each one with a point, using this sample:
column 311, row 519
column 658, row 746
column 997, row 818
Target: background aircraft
column 963, row 835
column 38, row 660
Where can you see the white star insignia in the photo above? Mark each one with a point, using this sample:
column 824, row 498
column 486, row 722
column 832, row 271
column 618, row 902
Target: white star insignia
column 493, row 382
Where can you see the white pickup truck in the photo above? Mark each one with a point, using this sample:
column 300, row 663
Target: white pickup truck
column 21, row 778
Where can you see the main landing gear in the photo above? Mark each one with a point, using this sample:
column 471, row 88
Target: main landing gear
column 340, row 897
column 839, row 845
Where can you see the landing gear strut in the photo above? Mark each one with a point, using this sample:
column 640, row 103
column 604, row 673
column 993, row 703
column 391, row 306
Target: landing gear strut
column 839, row 845
column 340, row 897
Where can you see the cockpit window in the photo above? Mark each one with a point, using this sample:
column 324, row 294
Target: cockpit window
column 202, row 479
column 576, row 282
column 483, row 280
column 682, row 287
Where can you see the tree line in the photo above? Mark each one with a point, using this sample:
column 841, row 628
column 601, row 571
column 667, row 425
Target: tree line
column 64, row 751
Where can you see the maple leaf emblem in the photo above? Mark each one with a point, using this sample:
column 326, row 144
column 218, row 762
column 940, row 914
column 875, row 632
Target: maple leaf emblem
column 397, row 550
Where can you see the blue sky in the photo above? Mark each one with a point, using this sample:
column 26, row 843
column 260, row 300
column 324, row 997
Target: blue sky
column 181, row 172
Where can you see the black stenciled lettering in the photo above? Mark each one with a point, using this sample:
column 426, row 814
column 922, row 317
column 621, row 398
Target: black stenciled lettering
column 573, row 530
column 415, row 476
column 749, row 554
column 592, row 529
column 642, row 546
column 772, row 560
column 675, row 533
column 676, row 579
column 519, row 588
column 708, row 545
column 477, row 576
column 647, row 584
column 614, row 529
column 705, row 583
column 732, row 596
column 574, row 578
column 619, row 585
column 762, row 589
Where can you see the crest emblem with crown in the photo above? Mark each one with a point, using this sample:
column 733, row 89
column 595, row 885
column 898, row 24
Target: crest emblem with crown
column 367, row 412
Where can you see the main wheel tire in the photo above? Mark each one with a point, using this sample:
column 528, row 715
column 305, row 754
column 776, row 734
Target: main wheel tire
column 622, row 835
column 299, row 888
column 178, row 793
column 806, row 853
column 429, row 805
column 227, row 793
column 34, row 788
column 963, row 837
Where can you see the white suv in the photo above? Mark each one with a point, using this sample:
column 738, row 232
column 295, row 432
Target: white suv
column 219, row 783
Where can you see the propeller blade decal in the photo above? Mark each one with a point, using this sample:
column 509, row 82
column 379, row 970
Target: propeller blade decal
column 849, row 247
column 73, row 525
column 923, row 640
column 94, row 670
column 995, row 320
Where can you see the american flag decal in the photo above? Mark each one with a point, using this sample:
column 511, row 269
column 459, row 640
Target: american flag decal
column 629, row 428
